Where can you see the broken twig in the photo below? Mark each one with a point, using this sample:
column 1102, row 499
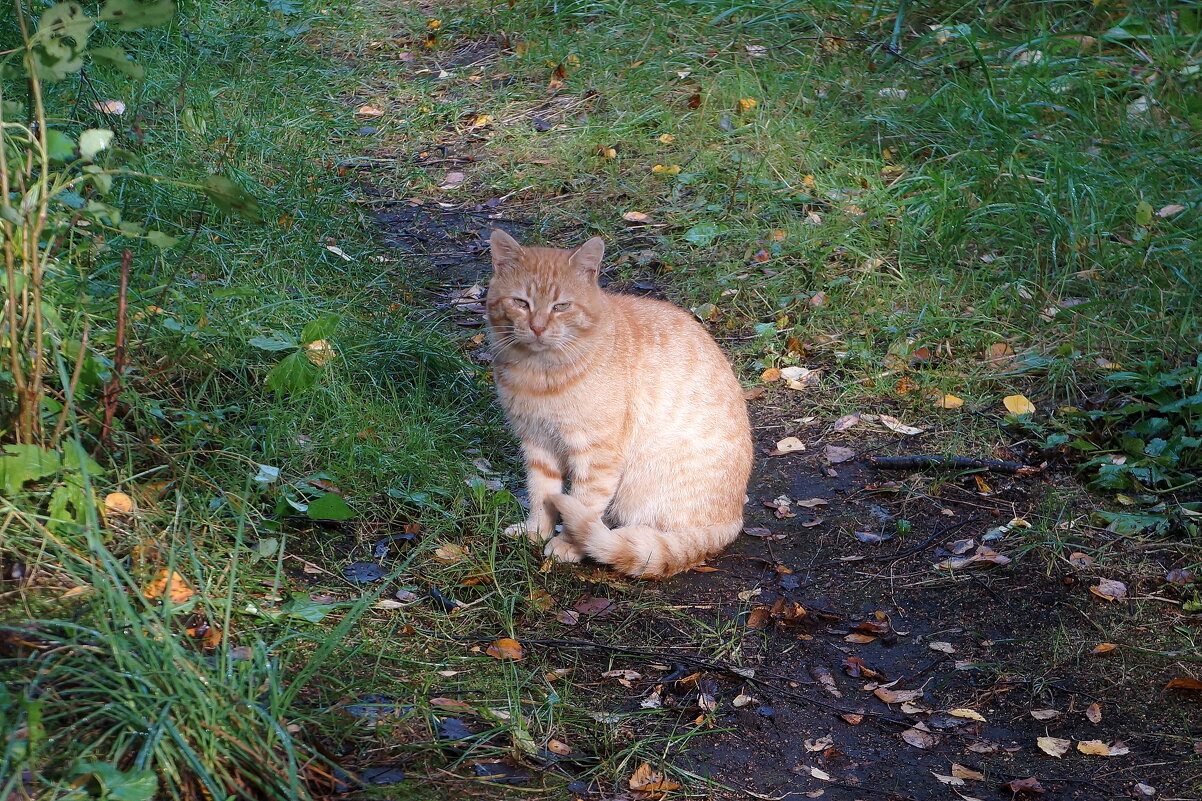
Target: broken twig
column 950, row 463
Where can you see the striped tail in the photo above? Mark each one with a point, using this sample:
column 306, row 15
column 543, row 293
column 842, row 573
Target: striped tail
column 641, row 550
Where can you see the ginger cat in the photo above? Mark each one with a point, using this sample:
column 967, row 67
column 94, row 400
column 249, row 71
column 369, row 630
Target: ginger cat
column 629, row 399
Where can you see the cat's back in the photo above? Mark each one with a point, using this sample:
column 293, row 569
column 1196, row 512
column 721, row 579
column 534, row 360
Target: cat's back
column 655, row 326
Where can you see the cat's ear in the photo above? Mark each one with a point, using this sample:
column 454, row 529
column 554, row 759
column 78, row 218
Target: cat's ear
column 505, row 249
column 587, row 257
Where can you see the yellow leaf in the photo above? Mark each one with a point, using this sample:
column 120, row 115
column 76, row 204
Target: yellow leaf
column 434, row 24
column 949, row 402
column 169, row 585
column 808, row 182
column 505, row 648
column 666, row 139
column 1018, row 405
column 1054, row 746
column 967, row 714
column 1103, row 648
column 118, row 503
column 671, row 169
column 747, row 104
column 449, row 554
column 482, row 120
column 646, row 780
column 319, row 352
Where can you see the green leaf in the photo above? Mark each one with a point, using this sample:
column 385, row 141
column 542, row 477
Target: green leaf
column 1143, row 213
column 66, row 20
column 93, row 140
column 231, row 198
column 161, row 240
column 321, row 328
column 275, row 343
column 702, row 234
column 60, row 40
column 305, row 608
column 68, row 508
column 21, row 463
column 129, row 15
column 294, row 374
column 117, row 58
column 330, row 507
column 59, row 146
column 117, row 785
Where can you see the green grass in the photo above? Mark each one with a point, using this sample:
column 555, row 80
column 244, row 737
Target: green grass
column 997, row 202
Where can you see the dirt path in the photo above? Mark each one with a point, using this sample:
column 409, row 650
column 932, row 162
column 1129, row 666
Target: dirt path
column 869, row 675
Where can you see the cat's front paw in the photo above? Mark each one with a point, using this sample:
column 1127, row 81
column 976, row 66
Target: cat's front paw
column 559, row 549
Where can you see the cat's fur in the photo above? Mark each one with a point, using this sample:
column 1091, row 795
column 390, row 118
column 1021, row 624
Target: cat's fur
column 628, row 398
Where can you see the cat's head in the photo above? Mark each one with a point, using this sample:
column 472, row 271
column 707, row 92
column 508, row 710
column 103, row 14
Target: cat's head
column 543, row 299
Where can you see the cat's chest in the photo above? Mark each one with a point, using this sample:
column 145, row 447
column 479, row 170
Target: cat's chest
column 553, row 403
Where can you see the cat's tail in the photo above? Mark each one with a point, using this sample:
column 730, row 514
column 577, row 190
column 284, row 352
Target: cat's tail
column 641, row 550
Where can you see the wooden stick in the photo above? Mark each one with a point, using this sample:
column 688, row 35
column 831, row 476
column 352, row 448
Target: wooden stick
column 112, row 390
column 949, row 463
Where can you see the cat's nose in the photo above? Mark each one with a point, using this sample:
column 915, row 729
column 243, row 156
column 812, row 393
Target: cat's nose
column 538, row 329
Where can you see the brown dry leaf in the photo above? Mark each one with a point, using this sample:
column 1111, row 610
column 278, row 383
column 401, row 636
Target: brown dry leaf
column 370, row 111
column 1018, row 405
column 1099, row 748
column 169, row 585
column 1103, row 648
column 846, row 421
column 1045, row 714
column 636, row 217
column 949, row 402
column 1093, row 712
column 860, row 639
column 961, row 772
column 788, row 445
column 942, row 647
column 1110, row 590
column 452, row 180
column 1054, row 746
column 115, row 107
column 452, row 705
column 967, row 714
column 666, row 139
column 827, row 680
column 1167, row 211
column 557, row 747
column 854, row 718
column 1184, row 684
column 837, row 454
column 118, row 503
column 890, row 696
column 1030, row 785
column 818, row 299
column 919, row 737
column 208, row 635
column 951, row 781
column 646, row 780
column 999, row 354
column 770, row 375
column 1080, row 560
column 320, row 352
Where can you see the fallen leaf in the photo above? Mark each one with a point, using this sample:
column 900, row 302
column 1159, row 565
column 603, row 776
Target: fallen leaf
column 949, row 402
column 961, row 772
column 1018, row 405
column 890, row 696
column 951, row 781
column 919, row 737
column 666, row 139
column 827, row 680
column 854, row 718
column 370, row 111
column 1054, row 746
column 117, row 107
column 169, row 585
column 1045, row 714
column 452, row 179
column 893, row 424
column 669, row 169
column 1080, row 560
column 118, row 503
column 1166, row 211
column 595, row 607
column 636, row 217
column 1093, row 712
column 770, row 375
column 1103, row 648
column 1031, row 786
column 788, row 445
column 837, row 454
column 449, row 554
column 811, row 503
column 860, row 639
column 741, row 700
column 818, row 299
column 505, row 648
column 845, row 422
column 568, row 617
column 967, row 714
column 557, row 747
column 1110, row 590
column 942, row 647
column 1184, row 684
column 319, row 352
column 1099, row 748
column 646, row 780
column 628, row 675
column 746, row 104
column 999, row 354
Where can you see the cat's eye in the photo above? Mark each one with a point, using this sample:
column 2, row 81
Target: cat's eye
column 521, row 304
column 561, row 306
